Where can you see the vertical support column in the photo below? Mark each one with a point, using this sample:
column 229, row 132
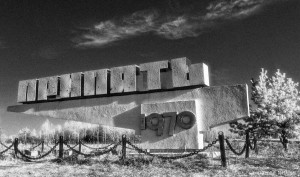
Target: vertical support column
column 16, row 143
column 123, row 148
column 222, row 149
column 247, row 144
column 61, row 147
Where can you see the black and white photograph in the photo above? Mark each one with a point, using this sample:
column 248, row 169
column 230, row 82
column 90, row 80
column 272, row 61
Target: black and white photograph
column 149, row 88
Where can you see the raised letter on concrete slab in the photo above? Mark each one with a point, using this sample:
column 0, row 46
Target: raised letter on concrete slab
column 30, row 92
column 76, row 84
column 199, row 74
column 152, row 71
column 101, row 81
column 22, row 90
column 42, row 89
column 65, row 86
column 47, row 87
column 52, row 86
column 180, row 71
column 123, row 79
column 89, row 83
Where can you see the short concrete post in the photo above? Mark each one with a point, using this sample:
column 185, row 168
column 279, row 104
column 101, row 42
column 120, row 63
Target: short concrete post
column 16, row 143
column 61, row 147
column 222, row 149
column 247, row 144
column 79, row 145
column 123, row 148
column 42, row 150
column 256, row 146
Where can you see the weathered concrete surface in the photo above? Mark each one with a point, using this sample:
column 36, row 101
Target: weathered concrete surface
column 152, row 73
column 123, row 79
column 101, row 81
column 47, row 87
column 89, row 83
column 65, row 86
column 216, row 105
column 42, row 89
column 182, row 138
column 75, row 84
column 180, row 69
column 27, row 90
column 199, row 74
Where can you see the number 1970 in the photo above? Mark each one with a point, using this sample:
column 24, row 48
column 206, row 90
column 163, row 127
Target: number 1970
column 156, row 122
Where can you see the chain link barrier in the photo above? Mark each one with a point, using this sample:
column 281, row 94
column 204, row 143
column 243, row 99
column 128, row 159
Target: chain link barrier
column 36, row 146
column 36, row 158
column 3, row 144
column 99, row 153
column 233, row 150
column 72, row 147
column 8, row 148
column 140, row 150
column 105, row 147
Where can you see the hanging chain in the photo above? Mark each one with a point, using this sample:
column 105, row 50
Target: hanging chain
column 140, row 150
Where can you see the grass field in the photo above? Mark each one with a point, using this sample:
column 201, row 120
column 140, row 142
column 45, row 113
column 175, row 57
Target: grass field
column 271, row 161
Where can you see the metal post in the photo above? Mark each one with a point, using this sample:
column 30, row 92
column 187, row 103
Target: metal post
column 247, row 144
column 79, row 146
column 42, row 146
column 61, row 147
column 222, row 149
column 123, row 148
column 16, row 143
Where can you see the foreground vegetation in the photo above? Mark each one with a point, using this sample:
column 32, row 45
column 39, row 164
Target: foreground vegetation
column 272, row 160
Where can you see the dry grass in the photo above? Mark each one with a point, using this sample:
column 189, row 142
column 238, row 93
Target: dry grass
column 271, row 161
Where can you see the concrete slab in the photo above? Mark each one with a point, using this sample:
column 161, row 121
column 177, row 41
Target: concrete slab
column 180, row 71
column 27, row 90
column 52, row 86
column 65, row 86
column 213, row 105
column 42, row 88
column 102, row 80
column 198, row 74
column 22, row 91
column 89, row 83
column 182, row 137
column 75, row 84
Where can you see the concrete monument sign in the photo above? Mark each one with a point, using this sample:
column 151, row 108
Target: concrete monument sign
column 168, row 103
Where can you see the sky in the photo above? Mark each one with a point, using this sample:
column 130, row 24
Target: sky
column 235, row 38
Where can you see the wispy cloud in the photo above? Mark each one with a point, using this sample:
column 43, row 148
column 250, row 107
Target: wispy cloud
column 113, row 30
column 169, row 26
